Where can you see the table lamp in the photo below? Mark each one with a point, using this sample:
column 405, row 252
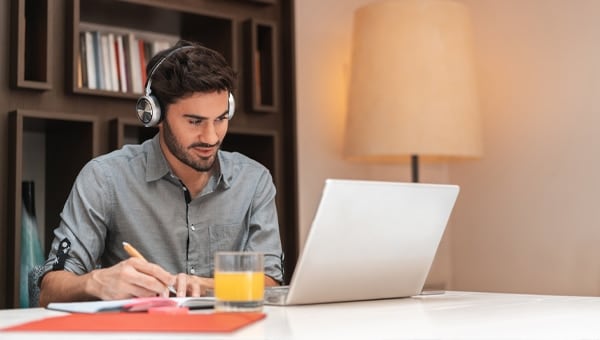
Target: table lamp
column 412, row 87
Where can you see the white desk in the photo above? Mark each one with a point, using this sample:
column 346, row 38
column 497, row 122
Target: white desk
column 463, row 315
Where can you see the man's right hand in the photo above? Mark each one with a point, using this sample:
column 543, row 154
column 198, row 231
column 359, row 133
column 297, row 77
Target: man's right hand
column 130, row 278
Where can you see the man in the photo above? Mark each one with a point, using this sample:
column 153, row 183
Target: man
column 176, row 198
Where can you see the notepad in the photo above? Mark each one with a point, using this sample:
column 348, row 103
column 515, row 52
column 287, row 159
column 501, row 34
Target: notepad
column 141, row 322
column 132, row 305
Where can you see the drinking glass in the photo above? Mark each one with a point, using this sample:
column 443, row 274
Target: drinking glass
column 239, row 281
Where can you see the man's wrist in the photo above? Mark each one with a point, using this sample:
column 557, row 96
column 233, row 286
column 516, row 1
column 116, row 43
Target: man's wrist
column 91, row 284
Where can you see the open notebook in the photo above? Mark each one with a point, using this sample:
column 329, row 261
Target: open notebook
column 369, row 240
column 132, row 305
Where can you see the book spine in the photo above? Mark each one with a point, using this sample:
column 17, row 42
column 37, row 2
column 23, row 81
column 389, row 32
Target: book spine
column 142, row 51
column 112, row 57
column 82, row 81
column 134, row 64
column 91, row 61
column 106, row 63
column 99, row 60
column 121, row 63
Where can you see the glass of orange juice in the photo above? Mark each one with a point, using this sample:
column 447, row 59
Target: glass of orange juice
column 239, row 281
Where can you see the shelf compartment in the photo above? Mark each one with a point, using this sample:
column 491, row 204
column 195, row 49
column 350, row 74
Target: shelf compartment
column 70, row 141
column 31, row 45
column 261, row 146
column 261, row 65
column 146, row 20
column 124, row 131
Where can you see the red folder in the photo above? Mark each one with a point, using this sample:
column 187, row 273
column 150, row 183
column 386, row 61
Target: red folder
column 142, row 322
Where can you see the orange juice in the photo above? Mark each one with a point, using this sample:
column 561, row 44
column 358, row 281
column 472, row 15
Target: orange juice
column 239, row 286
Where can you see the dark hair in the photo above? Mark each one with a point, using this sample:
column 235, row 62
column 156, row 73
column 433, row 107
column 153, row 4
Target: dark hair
column 188, row 70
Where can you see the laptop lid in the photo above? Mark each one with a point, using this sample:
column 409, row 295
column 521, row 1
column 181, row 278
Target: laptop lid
column 371, row 240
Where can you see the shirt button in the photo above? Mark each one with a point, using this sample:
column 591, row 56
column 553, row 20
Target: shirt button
column 193, row 271
column 193, row 228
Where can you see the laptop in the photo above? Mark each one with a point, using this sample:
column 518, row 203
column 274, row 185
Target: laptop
column 369, row 240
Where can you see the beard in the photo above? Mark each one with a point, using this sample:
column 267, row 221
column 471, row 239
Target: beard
column 200, row 164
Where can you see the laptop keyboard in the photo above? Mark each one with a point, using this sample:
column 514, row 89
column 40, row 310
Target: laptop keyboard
column 276, row 295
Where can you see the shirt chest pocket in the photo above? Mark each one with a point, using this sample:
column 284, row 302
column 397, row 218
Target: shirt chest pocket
column 226, row 237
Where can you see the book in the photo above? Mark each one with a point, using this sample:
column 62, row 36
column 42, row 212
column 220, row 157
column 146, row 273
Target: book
column 112, row 58
column 132, row 305
column 82, row 80
column 107, row 75
column 98, row 60
column 257, row 78
column 90, row 60
column 143, row 61
column 121, row 63
column 133, row 63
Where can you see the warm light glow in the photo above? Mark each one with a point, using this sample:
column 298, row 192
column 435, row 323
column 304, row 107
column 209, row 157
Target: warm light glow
column 412, row 86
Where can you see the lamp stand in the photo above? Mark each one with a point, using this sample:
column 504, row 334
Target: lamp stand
column 414, row 163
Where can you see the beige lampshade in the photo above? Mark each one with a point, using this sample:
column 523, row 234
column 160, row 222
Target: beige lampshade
column 412, row 87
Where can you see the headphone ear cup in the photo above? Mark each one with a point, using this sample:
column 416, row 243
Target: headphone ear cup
column 148, row 110
column 231, row 110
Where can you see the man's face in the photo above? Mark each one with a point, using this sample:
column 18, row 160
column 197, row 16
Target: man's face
column 194, row 128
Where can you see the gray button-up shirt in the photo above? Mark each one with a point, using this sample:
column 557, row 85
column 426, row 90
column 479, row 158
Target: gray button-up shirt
column 131, row 195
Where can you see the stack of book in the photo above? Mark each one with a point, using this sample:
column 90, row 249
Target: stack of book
column 115, row 62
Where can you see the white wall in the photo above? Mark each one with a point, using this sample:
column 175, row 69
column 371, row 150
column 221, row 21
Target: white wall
column 528, row 216
column 323, row 45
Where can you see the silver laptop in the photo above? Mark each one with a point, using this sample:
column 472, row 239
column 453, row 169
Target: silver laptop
column 369, row 240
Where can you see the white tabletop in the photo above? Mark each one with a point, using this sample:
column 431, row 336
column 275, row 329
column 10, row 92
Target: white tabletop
column 464, row 315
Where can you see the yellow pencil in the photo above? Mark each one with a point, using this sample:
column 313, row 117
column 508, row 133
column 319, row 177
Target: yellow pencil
column 135, row 253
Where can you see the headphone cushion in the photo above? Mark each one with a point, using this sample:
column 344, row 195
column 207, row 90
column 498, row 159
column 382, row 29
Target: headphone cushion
column 231, row 110
column 148, row 110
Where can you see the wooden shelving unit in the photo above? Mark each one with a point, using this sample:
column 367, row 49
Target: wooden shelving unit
column 77, row 123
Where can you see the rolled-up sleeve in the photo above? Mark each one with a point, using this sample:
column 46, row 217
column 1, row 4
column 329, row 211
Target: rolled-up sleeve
column 83, row 222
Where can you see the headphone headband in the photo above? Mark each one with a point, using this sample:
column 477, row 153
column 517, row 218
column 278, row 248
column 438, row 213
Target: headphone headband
column 155, row 67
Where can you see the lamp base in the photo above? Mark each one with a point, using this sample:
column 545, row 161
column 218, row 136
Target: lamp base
column 414, row 164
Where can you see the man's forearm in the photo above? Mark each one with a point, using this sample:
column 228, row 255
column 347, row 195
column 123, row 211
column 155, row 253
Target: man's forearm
column 64, row 286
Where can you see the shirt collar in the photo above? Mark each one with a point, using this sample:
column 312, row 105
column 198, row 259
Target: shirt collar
column 225, row 171
column 157, row 166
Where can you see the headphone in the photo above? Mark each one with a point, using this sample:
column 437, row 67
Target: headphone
column 148, row 106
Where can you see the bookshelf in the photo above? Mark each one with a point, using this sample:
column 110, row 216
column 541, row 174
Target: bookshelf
column 48, row 102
